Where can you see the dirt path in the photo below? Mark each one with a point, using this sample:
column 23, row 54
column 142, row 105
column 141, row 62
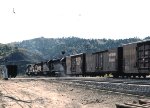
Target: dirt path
column 48, row 94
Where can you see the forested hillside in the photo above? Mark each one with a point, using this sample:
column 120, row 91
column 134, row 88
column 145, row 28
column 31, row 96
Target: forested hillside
column 49, row 48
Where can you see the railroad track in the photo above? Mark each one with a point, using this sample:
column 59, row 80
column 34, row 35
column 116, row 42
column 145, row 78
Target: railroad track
column 139, row 87
column 125, row 86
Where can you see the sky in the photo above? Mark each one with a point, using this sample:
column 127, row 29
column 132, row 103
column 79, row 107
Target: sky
column 114, row 19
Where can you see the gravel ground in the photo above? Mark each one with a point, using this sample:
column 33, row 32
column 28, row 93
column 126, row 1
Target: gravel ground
column 52, row 94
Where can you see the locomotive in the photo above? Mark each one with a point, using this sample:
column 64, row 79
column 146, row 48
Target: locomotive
column 129, row 60
column 49, row 68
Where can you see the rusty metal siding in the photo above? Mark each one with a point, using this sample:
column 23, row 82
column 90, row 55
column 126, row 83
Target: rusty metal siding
column 143, row 57
column 98, row 61
column 101, row 61
column 113, row 60
column 73, row 65
column 68, row 65
column 105, row 62
column 90, row 63
column 77, row 62
column 130, row 58
column 79, row 65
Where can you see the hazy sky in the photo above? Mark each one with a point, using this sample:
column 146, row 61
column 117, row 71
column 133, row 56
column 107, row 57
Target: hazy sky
column 82, row 18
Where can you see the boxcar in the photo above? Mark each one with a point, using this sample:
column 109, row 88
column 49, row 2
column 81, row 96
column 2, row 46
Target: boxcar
column 98, row 63
column 136, row 59
column 75, row 65
column 105, row 62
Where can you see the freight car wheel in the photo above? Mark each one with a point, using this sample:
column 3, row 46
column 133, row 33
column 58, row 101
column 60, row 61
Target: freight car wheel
column 134, row 76
column 144, row 76
column 102, row 75
column 115, row 76
column 123, row 76
column 139, row 76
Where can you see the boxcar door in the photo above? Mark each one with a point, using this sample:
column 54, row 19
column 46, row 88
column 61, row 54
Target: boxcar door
column 99, row 62
column 130, row 58
column 112, row 60
column 68, row 65
column 79, row 65
column 73, row 65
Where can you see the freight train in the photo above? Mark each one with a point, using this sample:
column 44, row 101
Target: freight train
column 129, row 60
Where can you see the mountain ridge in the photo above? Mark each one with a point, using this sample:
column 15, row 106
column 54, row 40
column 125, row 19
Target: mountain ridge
column 52, row 47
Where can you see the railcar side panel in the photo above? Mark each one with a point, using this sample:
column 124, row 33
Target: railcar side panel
column 101, row 61
column 90, row 63
column 105, row 62
column 98, row 61
column 78, row 64
column 68, row 65
column 143, row 57
column 120, row 60
column 130, row 58
column 113, row 60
